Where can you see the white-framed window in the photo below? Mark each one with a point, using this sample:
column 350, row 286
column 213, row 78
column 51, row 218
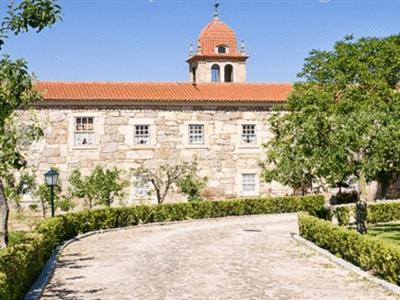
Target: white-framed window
column 196, row 134
column 84, row 133
column 222, row 49
column 249, row 135
column 248, row 183
column 142, row 187
column 142, row 135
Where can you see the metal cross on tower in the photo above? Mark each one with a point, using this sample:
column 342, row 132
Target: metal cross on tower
column 216, row 6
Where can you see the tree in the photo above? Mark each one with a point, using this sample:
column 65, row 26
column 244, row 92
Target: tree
column 192, row 184
column 102, row 186
column 17, row 186
column 16, row 89
column 342, row 117
column 292, row 166
column 79, row 188
column 164, row 178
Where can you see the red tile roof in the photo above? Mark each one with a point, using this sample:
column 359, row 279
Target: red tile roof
column 168, row 91
column 217, row 33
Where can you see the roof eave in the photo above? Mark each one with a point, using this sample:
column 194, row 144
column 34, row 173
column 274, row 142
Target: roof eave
column 55, row 102
column 195, row 58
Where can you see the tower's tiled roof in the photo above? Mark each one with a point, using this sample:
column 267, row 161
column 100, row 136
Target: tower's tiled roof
column 217, row 33
column 163, row 92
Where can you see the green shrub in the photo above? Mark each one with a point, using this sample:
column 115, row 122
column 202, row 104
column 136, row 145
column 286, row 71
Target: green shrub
column 65, row 204
column 369, row 253
column 344, row 198
column 21, row 264
column 343, row 214
column 16, row 237
column 192, row 185
column 384, row 212
column 377, row 213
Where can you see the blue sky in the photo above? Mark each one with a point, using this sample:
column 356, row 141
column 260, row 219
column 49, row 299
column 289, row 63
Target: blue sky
column 142, row 40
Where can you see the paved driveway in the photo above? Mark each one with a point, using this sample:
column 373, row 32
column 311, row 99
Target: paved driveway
column 233, row 258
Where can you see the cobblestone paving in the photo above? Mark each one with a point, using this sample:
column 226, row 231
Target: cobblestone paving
column 233, row 258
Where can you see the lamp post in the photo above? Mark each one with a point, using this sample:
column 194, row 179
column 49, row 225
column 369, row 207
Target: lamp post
column 51, row 178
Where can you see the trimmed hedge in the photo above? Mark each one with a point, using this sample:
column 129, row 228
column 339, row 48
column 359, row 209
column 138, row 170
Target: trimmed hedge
column 369, row 253
column 21, row 264
column 384, row 212
column 344, row 198
column 376, row 213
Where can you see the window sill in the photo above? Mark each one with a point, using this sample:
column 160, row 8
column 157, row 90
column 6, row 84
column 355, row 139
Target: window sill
column 255, row 194
column 197, row 146
column 84, row 147
column 248, row 149
column 249, row 146
column 143, row 147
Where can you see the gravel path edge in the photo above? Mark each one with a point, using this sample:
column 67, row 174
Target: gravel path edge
column 345, row 264
column 45, row 275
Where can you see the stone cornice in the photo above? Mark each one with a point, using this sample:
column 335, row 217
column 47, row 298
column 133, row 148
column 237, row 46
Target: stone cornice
column 156, row 105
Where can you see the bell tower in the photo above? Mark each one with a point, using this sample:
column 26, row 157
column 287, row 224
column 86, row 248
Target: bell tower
column 217, row 59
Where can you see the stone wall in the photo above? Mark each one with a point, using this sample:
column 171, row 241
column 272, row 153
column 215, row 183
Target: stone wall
column 203, row 70
column 375, row 192
column 222, row 159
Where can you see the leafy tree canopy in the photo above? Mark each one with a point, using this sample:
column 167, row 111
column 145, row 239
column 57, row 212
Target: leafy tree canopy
column 167, row 176
column 341, row 119
column 29, row 14
column 16, row 89
column 191, row 184
column 102, row 186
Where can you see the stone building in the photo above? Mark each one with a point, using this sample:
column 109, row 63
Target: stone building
column 217, row 118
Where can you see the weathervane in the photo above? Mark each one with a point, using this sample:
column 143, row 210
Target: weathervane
column 216, row 5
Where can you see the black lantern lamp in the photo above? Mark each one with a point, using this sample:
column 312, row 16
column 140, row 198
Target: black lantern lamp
column 51, row 178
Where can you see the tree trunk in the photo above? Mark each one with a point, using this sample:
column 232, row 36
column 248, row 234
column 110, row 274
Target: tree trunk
column 164, row 195
column 384, row 185
column 43, row 209
column 362, row 188
column 4, row 211
column 361, row 216
column 159, row 197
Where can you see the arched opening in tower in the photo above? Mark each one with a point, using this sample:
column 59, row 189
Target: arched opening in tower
column 215, row 73
column 194, row 79
column 228, row 73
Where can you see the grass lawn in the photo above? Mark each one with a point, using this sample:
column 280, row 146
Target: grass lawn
column 387, row 231
column 24, row 220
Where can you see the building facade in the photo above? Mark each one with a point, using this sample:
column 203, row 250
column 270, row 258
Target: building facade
column 217, row 119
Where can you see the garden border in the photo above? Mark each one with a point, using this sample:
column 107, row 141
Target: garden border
column 39, row 286
column 347, row 265
column 19, row 272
